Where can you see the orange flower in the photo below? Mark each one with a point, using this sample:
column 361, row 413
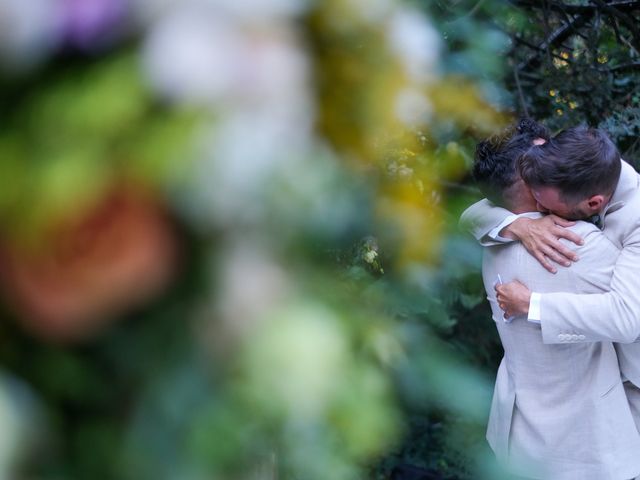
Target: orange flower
column 120, row 254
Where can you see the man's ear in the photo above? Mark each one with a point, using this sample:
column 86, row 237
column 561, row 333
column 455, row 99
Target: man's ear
column 595, row 203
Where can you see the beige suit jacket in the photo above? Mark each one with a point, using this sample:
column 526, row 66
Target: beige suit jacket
column 559, row 411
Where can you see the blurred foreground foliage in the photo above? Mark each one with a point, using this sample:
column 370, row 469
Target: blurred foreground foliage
column 228, row 238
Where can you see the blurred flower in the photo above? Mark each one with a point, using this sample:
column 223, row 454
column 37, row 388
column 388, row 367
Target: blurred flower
column 255, row 82
column 251, row 283
column 294, row 362
column 9, row 432
column 415, row 42
column 21, row 425
column 192, row 56
column 29, row 31
column 263, row 11
column 202, row 54
column 370, row 256
column 118, row 255
column 368, row 252
column 247, row 151
column 413, row 107
column 259, row 12
column 92, row 23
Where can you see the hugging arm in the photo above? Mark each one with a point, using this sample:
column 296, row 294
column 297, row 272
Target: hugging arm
column 481, row 218
column 541, row 237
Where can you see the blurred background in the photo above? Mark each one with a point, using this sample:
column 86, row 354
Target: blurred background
column 228, row 229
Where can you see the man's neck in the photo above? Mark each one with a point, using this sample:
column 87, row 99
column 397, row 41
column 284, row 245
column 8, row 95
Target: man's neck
column 522, row 207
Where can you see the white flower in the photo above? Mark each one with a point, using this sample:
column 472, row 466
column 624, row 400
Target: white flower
column 251, row 284
column 191, row 56
column 29, row 31
column 415, row 42
column 202, row 55
column 413, row 107
column 273, row 71
column 405, row 172
column 21, row 422
column 370, row 256
column 248, row 11
column 256, row 83
column 262, row 11
column 296, row 360
column 239, row 159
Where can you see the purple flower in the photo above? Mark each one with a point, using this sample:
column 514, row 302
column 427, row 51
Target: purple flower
column 91, row 24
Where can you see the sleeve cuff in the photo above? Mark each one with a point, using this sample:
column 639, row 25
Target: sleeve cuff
column 534, row 308
column 495, row 233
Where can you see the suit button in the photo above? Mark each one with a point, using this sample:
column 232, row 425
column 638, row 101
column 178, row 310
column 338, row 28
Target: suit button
column 562, row 337
column 581, row 337
column 574, row 338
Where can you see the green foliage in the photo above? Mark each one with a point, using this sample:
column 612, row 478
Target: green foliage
column 65, row 143
column 331, row 326
column 574, row 63
column 623, row 127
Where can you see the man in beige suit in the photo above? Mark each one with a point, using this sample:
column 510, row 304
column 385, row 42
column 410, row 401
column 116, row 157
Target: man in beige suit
column 578, row 174
column 559, row 411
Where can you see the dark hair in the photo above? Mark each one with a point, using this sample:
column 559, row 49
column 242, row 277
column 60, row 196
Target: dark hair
column 580, row 162
column 495, row 161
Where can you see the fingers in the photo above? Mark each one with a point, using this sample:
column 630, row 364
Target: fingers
column 558, row 257
column 513, row 298
column 500, row 296
column 503, row 291
column 548, row 248
column 505, row 308
column 556, row 226
column 542, row 258
column 542, row 241
column 569, row 235
column 501, row 302
column 563, row 255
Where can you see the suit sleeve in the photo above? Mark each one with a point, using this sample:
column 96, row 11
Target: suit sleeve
column 610, row 316
column 482, row 217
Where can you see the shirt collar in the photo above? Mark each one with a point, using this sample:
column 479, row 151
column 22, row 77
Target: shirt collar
column 627, row 185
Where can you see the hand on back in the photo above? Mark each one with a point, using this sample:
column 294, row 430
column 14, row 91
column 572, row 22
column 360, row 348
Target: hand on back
column 541, row 237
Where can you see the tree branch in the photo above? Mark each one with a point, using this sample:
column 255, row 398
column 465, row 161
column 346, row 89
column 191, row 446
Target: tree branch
column 630, row 24
column 557, row 36
column 621, row 5
column 621, row 67
column 524, row 42
column 525, row 110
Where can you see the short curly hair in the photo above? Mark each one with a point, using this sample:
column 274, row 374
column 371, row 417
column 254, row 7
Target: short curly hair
column 495, row 166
